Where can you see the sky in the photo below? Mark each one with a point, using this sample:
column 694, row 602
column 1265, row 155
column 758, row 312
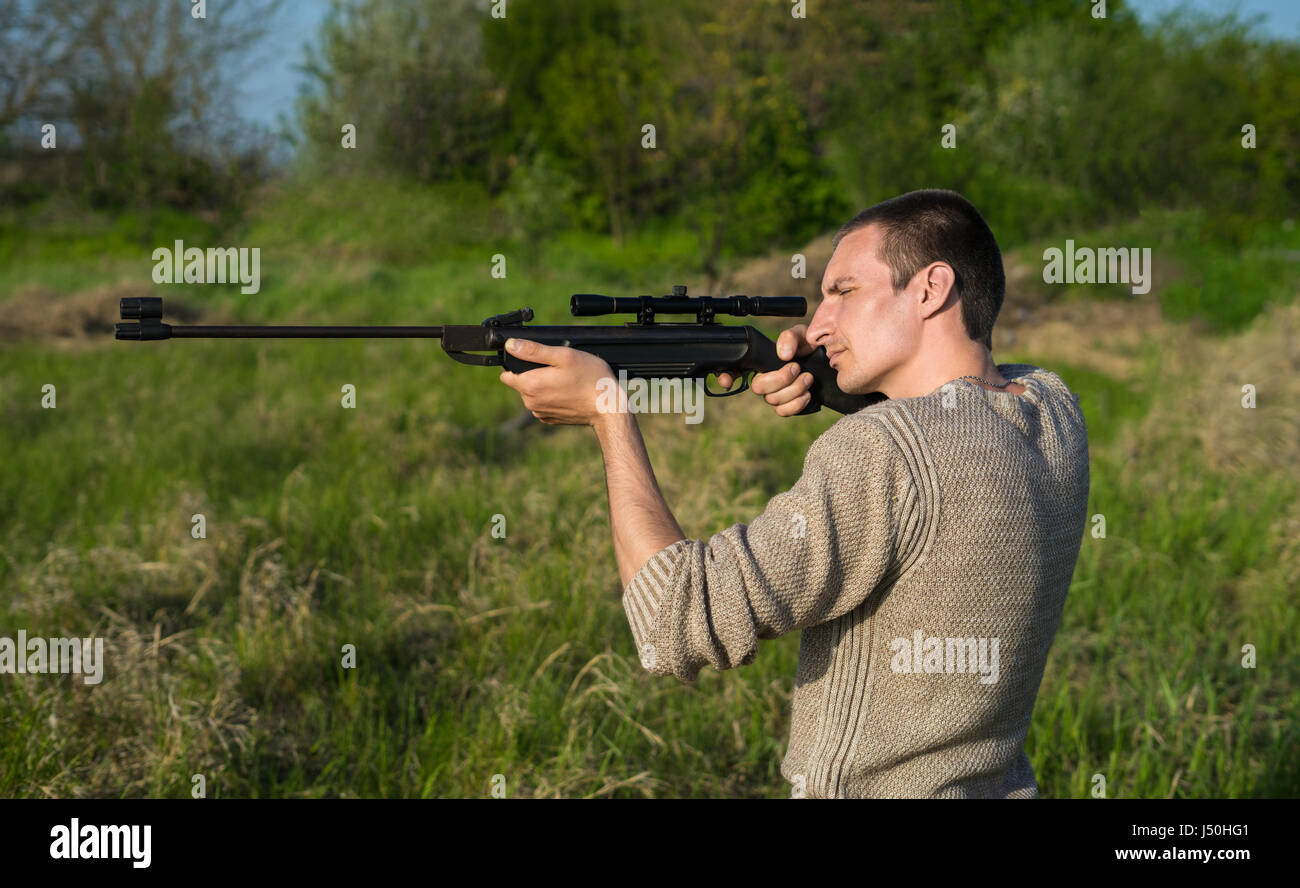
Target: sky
column 1283, row 16
column 270, row 89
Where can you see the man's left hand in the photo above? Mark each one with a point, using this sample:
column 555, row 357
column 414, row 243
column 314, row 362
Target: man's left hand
column 565, row 392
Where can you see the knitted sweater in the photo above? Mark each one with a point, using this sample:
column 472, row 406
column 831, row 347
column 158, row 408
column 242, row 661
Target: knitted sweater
column 926, row 553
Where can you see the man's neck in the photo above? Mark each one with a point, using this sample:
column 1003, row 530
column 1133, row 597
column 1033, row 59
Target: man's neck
column 922, row 376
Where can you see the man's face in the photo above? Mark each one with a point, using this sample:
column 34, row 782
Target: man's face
column 868, row 329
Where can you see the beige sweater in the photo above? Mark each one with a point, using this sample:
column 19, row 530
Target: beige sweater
column 925, row 553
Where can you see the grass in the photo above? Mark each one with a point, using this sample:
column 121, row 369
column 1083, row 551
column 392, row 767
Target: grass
column 479, row 656
column 1199, row 273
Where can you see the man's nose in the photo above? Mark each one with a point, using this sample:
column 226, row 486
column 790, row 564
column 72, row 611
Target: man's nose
column 821, row 325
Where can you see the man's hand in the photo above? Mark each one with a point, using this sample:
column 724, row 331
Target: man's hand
column 786, row 389
column 563, row 393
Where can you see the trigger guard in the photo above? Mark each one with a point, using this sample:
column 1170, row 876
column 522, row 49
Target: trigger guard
column 744, row 386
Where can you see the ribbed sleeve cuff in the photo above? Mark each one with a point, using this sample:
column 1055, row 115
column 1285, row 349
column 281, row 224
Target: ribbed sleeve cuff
column 642, row 597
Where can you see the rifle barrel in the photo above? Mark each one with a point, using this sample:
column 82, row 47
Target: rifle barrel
column 273, row 332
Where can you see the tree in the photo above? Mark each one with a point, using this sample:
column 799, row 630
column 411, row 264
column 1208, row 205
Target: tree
column 409, row 75
column 31, row 47
column 137, row 87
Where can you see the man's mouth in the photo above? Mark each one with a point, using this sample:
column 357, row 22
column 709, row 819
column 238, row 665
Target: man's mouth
column 832, row 355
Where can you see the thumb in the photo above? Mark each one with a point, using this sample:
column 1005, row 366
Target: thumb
column 793, row 342
column 535, row 352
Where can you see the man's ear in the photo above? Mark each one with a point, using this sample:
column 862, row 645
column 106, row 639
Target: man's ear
column 938, row 281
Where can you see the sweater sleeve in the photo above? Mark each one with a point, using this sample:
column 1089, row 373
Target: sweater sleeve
column 816, row 552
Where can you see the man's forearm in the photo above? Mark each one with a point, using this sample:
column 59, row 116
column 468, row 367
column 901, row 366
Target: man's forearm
column 641, row 521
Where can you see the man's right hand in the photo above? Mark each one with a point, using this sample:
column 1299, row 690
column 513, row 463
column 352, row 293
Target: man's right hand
column 786, row 389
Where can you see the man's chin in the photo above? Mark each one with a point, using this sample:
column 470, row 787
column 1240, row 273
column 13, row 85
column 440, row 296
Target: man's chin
column 871, row 387
column 852, row 383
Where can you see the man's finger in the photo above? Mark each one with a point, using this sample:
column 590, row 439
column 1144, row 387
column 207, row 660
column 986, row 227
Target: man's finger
column 790, row 408
column 775, row 380
column 792, row 392
column 535, row 352
column 510, row 379
column 725, row 380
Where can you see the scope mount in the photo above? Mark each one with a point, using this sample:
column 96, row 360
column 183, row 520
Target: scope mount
column 645, row 315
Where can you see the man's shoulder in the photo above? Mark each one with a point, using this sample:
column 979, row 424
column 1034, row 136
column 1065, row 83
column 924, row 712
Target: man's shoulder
column 882, row 434
column 962, row 408
column 863, row 428
column 898, row 420
column 1042, row 389
column 1049, row 380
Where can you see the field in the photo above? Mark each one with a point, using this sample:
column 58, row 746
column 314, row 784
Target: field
column 478, row 656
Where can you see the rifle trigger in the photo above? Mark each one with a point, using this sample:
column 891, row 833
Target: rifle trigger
column 744, row 385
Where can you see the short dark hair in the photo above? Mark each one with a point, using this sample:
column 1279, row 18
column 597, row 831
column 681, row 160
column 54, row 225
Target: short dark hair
column 934, row 225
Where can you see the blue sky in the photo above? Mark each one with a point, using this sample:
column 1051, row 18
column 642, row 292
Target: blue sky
column 270, row 88
column 1283, row 16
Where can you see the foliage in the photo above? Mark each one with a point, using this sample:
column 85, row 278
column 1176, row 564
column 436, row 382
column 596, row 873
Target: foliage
column 409, row 75
column 135, row 91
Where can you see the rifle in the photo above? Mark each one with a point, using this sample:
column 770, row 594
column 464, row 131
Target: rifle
column 644, row 349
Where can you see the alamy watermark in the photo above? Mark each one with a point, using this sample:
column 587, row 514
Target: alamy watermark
column 675, row 395
column 971, row 655
column 78, row 841
column 1103, row 265
column 216, row 265
column 39, row 656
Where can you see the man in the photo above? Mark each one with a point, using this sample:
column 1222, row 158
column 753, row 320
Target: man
column 925, row 552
